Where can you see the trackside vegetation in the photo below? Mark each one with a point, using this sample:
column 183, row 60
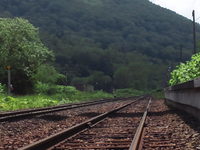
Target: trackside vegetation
column 50, row 95
column 42, row 100
column 127, row 92
column 35, row 80
column 22, row 50
column 186, row 71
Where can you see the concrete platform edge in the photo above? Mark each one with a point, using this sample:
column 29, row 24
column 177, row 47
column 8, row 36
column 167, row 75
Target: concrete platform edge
column 195, row 112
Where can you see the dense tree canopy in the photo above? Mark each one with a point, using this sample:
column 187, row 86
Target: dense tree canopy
column 130, row 43
column 22, row 50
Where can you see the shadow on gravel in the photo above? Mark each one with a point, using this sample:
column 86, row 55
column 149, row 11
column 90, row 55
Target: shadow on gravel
column 140, row 114
column 53, row 117
column 89, row 114
column 189, row 120
column 160, row 113
column 185, row 117
column 131, row 115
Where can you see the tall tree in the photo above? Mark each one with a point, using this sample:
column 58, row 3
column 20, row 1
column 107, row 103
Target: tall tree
column 22, row 50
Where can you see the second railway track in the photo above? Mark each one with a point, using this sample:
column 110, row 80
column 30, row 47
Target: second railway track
column 38, row 111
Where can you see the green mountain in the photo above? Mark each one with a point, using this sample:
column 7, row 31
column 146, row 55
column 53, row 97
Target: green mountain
column 108, row 43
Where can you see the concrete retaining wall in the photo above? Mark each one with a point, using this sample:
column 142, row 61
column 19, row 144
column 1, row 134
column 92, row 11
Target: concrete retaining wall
column 185, row 96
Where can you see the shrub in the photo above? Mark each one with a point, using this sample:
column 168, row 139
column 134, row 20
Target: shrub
column 60, row 89
column 22, row 102
column 9, row 99
column 186, row 71
column 127, row 92
column 47, row 74
column 41, row 87
column 19, row 37
column 2, row 88
column 82, row 96
column 51, row 89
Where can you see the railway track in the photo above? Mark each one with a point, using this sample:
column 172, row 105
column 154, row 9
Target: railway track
column 18, row 133
column 32, row 112
column 111, row 130
column 127, row 126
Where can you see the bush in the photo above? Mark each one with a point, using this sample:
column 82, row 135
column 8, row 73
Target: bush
column 41, row 87
column 70, row 95
column 19, row 37
column 2, row 88
column 83, row 96
column 47, row 74
column 186, row 71
column 50, row 89
column 157, row 93
column 127, row 92
column 60, row 89
column 34, row 101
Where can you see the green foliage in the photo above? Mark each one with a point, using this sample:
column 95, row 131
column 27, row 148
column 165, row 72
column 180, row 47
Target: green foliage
column 2, row 88
column 100, row 81
column 51, row 89
column 186, row 71
column 23, row 102
column 139, row 73
column 22, row 49
column 127, row 92
column 157, row 93
column 79, row 81
column 106, row 36
column 82, row 96
column 66, row 95
column 47, row 74
column 41, row 87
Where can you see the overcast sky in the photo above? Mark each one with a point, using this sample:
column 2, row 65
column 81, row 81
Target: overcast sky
column 182, row 7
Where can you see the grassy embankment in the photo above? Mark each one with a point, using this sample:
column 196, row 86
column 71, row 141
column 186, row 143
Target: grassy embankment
column 51, row 95
column 157, row 94
column 42, row 100
column 56, row 95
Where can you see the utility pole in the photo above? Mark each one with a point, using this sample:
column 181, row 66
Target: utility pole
column 194, row 31
column 181, row 53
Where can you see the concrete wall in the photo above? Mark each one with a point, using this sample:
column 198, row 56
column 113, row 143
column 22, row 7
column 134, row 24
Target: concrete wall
column 186, row 108
column 185, row 96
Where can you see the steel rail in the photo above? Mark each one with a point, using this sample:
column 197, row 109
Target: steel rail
column 3, row 114
column 136, row 143
column 39, row 111
column 57, row 138
column 44, row 108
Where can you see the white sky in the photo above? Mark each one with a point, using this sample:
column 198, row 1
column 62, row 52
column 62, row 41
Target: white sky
column 182, row 7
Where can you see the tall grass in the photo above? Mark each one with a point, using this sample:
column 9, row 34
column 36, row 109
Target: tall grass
column 41, row 100
column 50, row 95
column 127, row 92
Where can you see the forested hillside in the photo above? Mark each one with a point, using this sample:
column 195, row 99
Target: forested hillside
column 108, row 43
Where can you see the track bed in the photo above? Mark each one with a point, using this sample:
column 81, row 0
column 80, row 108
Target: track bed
column 165, row 129
column 169, row 129
column 18, row 133
column 115, row 132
